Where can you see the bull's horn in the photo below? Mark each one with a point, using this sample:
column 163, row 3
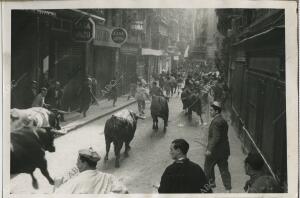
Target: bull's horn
column 140, row 117
column 60, row 111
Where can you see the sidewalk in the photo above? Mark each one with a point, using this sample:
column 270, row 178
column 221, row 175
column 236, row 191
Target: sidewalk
column 75, row 120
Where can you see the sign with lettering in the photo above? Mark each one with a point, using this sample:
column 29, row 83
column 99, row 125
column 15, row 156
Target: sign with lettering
column 83, row 30
column 137, row 25
column 119, row 35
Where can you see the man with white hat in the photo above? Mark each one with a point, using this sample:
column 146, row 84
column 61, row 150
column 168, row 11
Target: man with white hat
column 90, row 180
column 218, row 150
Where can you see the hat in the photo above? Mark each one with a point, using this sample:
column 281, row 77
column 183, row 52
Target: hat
column 43, row 89
column 216, row 104
column 89, row 154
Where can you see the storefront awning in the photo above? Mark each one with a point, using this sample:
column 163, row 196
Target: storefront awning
column 43, row 12
column 152, row 52
column 259, row 35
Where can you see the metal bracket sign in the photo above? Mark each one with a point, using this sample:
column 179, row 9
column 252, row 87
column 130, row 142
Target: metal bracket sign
column 119, row 35
column 83, row 30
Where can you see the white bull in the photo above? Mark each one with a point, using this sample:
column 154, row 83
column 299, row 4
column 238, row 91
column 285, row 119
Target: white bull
column 35, row 116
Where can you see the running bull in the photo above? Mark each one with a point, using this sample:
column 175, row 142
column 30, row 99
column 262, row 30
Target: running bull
column 159, row 108
column 192, row 103
column 41, row 117
column 27, row 151
column 119, row 129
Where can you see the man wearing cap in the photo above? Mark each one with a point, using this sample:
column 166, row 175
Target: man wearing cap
column 39, row 100
column 259, row 182
column 217, row 151
column 90, row 180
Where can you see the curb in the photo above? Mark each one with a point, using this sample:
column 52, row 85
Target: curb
column 98, row 117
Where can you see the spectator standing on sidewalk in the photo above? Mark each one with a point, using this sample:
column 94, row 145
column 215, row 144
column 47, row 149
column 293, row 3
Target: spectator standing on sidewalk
column 218, row 151
column 183, row 176
column 113, row 91
column 30, row 95
column 259, row 182
column 39, row 100
column 90, row 180
column 54, row 97
column 86, row 96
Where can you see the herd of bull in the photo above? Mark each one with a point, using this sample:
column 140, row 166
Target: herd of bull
column 33, row 132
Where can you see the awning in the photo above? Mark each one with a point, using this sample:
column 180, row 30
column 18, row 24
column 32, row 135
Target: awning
column 259, row 35
column 152, row 52
column 43, row 12
column 100, row 19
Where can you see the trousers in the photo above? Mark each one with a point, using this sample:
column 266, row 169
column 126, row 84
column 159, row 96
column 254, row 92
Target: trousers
column 209, row 170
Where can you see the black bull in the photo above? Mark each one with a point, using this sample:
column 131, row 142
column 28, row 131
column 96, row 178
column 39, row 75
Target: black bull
column 28, row 152
column 192, row 102
column 119, row 131
column 159, row 108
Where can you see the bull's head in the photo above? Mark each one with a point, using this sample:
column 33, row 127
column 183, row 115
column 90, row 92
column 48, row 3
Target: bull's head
column 54, row 120
column 46, row 137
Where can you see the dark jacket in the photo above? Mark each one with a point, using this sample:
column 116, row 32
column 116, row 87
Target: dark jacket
column 54, row 98
column 218, row 143
column 156, row 91
column 184, row 176
column 261, row 183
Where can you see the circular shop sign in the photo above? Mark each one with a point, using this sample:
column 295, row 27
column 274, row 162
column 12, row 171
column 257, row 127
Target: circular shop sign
column 119, row 35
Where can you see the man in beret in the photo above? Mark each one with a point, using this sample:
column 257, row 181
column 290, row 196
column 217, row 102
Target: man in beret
column 259, row 182
column 217, row 151
column 90, row 180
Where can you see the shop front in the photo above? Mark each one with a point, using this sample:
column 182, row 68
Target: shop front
column 105, row 56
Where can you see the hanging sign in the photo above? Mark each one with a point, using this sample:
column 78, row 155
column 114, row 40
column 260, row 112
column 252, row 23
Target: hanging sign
column 119, row 35
column 83, row 30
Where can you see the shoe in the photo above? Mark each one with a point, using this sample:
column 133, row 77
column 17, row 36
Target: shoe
column 213, row 185
column 228, row 191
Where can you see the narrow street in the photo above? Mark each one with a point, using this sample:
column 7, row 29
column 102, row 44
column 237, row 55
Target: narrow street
column 70, row 69
column 148, row 157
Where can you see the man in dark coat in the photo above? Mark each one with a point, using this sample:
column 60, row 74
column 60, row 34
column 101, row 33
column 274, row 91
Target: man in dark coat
column 86, row 97
column 259, row 181
column 218, row 148
column 54, row 95
column 183, row 176
column 30, row 94
column 155, row 90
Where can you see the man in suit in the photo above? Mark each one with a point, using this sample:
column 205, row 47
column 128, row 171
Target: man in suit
column 217, row 151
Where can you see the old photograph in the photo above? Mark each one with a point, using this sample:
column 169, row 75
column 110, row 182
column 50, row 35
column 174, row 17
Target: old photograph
column 148, row 100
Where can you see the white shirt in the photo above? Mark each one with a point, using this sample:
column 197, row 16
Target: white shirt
column 92, row 182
